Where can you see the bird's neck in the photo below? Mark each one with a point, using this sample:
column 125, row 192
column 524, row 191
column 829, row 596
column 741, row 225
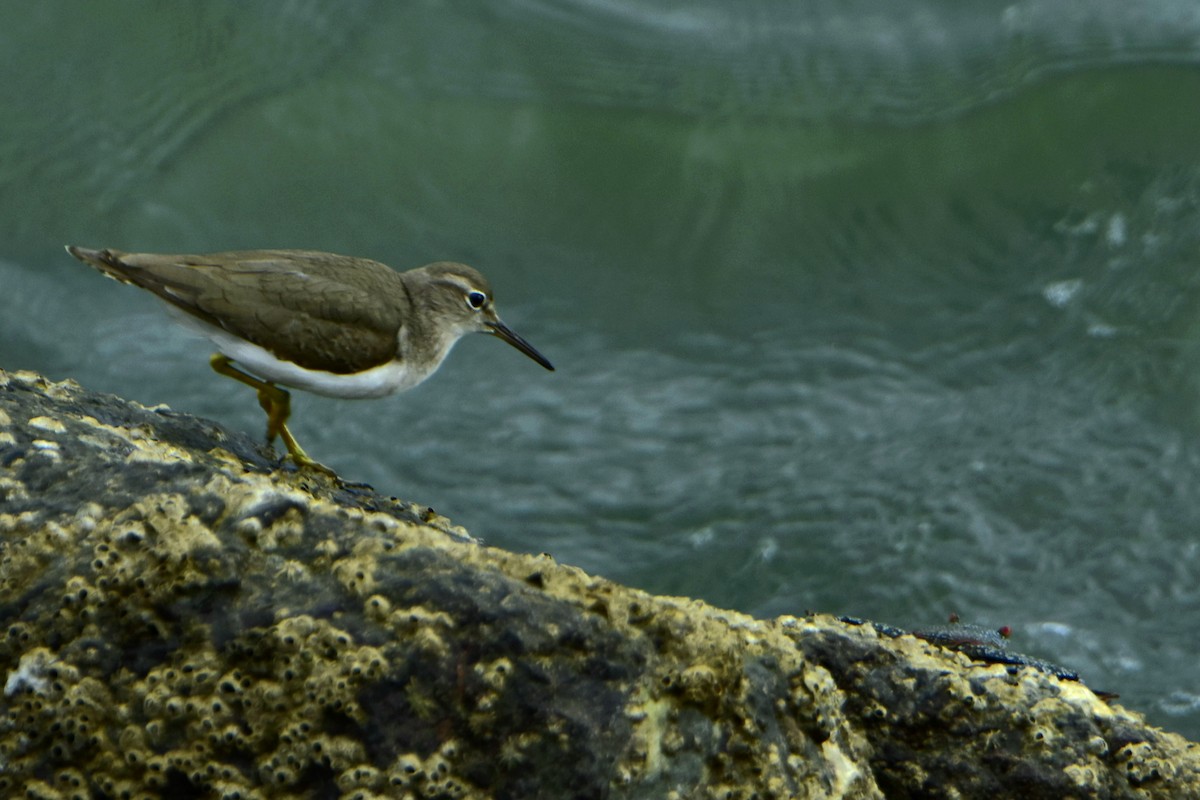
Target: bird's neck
column 424, row 343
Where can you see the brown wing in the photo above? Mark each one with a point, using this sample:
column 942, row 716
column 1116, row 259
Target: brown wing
column 319, row 310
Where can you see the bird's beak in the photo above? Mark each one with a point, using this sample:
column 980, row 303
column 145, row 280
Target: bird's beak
column 506, row 333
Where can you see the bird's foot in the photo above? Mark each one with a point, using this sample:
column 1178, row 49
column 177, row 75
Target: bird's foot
column 304, row 462
column 300, row 458
column 278, row 405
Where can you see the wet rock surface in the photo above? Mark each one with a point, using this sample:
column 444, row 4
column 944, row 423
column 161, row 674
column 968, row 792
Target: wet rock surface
column 180, row 618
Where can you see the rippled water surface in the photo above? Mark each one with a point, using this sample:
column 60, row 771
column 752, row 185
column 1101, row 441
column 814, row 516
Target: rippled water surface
column 885, row 309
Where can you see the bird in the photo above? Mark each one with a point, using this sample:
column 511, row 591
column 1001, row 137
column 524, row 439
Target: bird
column 335, row 325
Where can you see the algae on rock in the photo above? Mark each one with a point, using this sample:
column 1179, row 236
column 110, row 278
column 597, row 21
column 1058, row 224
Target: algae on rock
column 179, row 619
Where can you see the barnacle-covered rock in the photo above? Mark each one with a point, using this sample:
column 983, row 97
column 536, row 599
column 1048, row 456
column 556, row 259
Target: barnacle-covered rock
column 180, row 619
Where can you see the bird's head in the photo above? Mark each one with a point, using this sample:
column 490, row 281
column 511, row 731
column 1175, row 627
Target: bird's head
column 461, row 296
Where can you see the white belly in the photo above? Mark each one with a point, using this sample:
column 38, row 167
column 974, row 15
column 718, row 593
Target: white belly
column 395, row 376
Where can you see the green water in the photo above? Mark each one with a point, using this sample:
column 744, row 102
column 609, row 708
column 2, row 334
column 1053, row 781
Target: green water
column 871, row 308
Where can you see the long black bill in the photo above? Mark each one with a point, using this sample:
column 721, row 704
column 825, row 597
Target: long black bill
column 506, row 333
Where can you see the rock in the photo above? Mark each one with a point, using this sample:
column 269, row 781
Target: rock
column 179, row 618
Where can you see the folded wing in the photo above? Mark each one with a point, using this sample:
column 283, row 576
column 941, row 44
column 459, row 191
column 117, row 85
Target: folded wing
column 318, row 310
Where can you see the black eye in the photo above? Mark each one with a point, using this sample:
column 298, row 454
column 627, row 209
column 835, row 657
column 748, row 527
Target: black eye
column 476, row 300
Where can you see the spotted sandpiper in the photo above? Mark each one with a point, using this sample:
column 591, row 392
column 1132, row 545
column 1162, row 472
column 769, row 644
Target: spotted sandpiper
column 334, row 325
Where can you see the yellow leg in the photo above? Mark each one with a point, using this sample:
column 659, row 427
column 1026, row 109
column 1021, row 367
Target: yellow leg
column 278, row 405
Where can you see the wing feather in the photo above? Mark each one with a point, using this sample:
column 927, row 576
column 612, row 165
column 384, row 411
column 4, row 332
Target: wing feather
column 319, row 310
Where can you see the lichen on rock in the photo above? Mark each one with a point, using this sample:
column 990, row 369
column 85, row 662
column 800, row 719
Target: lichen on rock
column 179, row 618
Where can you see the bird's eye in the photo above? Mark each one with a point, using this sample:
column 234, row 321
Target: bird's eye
column 476, row 300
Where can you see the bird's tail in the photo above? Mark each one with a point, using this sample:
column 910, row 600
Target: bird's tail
column 107, row 261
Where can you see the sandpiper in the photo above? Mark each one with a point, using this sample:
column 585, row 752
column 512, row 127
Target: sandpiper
column 334, row 325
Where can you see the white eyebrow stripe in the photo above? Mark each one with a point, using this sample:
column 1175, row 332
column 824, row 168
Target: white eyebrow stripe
column 462, row 286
